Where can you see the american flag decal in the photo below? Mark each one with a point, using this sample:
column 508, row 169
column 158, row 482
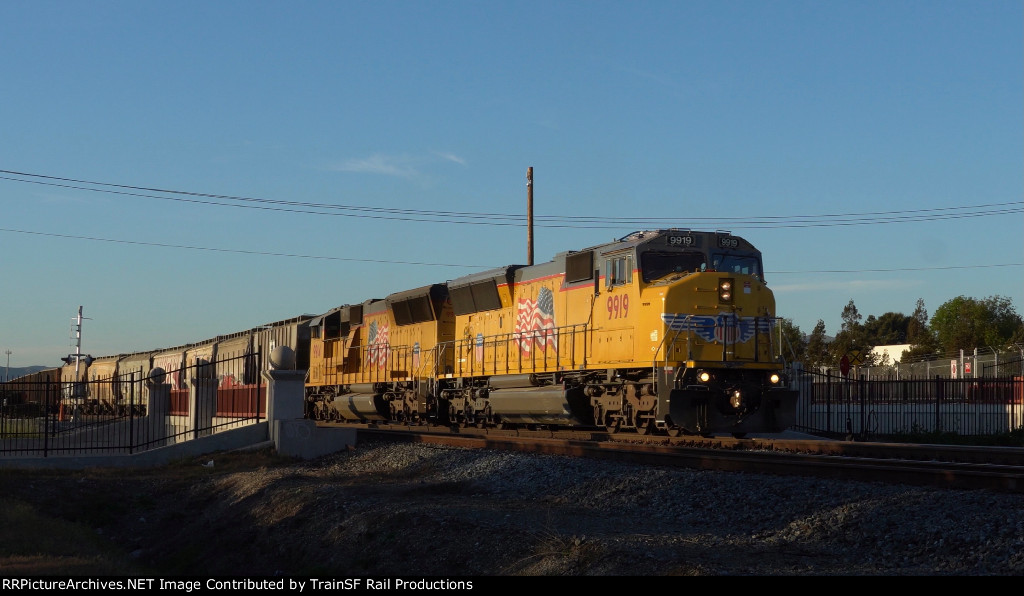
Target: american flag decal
column 377, row 345
column 478, row 347
column 535, row 322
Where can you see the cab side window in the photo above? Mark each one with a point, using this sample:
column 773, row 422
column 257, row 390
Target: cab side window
column 618, row 270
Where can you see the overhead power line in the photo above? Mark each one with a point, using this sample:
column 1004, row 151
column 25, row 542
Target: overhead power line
column 383, row 261
column 516, row 219
column 238, row 251
column 389, row 213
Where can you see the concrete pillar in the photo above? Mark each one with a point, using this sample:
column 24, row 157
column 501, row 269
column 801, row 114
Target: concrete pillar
column 291, row 432
column 158, row 408
column 285, row 391
column 202, row 405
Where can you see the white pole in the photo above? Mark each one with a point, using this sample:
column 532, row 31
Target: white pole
column 78, row 342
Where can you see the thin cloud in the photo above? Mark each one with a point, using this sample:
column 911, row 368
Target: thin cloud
column 380, row 164
column 451, row 157
column 400, row 166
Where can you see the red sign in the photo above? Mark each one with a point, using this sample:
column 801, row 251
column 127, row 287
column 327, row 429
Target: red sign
column 844, row 365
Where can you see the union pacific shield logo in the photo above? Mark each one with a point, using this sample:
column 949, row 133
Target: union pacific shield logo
column 721, row 328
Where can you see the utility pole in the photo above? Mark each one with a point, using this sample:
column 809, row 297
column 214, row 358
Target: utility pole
column 529, row 215
column 7, row 376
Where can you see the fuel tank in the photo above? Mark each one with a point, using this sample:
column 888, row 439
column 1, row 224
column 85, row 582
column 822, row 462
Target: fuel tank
column 552, row 405
column 361, row 404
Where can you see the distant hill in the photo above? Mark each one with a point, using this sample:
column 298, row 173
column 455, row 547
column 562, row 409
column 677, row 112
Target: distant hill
column 16, row 372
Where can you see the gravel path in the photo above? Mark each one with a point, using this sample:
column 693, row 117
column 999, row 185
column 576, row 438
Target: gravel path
column 552, row 515
column 414, row 510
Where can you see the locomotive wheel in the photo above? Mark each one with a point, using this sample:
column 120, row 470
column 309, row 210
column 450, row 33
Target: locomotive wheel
column 613, row 424
column 502, row 425
column 644, row 425
column 674, row 431
column 483, row 418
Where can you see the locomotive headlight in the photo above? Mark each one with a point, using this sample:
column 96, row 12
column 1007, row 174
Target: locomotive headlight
column 704, row 376
column 725, row 289
column 775, row 378
column 736, row 399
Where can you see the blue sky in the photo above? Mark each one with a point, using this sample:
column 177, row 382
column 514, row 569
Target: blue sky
column 873, row 150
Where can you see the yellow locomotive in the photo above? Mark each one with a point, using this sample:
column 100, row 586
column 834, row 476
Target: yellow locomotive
column 381, row 360
column 669, row 330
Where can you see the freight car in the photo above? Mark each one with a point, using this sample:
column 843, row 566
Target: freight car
column 28, row 395
column 102, row 387
column 668, row 331
column 232, row 364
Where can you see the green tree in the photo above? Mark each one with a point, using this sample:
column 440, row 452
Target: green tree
column 917, row 326
column 793, row 343
column 889, row 329
column 920, row 336
column 851, row 317
column 851, row 337
column 818, row 356
column 965, row 323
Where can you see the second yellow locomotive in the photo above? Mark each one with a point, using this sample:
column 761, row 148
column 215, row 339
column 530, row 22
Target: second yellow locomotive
column 671, row 330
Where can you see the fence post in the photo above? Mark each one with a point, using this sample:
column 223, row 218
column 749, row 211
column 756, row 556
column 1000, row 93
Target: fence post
column 48, row 394
column 828, row 401
column 939, row 389
column 862, row 387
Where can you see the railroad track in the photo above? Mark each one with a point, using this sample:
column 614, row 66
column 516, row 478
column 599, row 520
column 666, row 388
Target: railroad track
column 990, row 468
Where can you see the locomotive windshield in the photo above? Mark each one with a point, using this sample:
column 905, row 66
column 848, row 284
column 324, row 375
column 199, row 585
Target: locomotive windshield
column 656, row 265
column 733, row 263
column 659, row 264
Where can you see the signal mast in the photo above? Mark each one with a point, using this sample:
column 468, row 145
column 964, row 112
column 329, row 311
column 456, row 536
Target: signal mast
column 77, row 357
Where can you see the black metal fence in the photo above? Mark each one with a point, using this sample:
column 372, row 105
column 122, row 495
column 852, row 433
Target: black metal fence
column 877, row 409
column 117, row 415
column 1004, row 361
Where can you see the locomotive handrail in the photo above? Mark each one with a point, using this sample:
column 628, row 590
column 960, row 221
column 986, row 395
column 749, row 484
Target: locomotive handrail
column 568, row 353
